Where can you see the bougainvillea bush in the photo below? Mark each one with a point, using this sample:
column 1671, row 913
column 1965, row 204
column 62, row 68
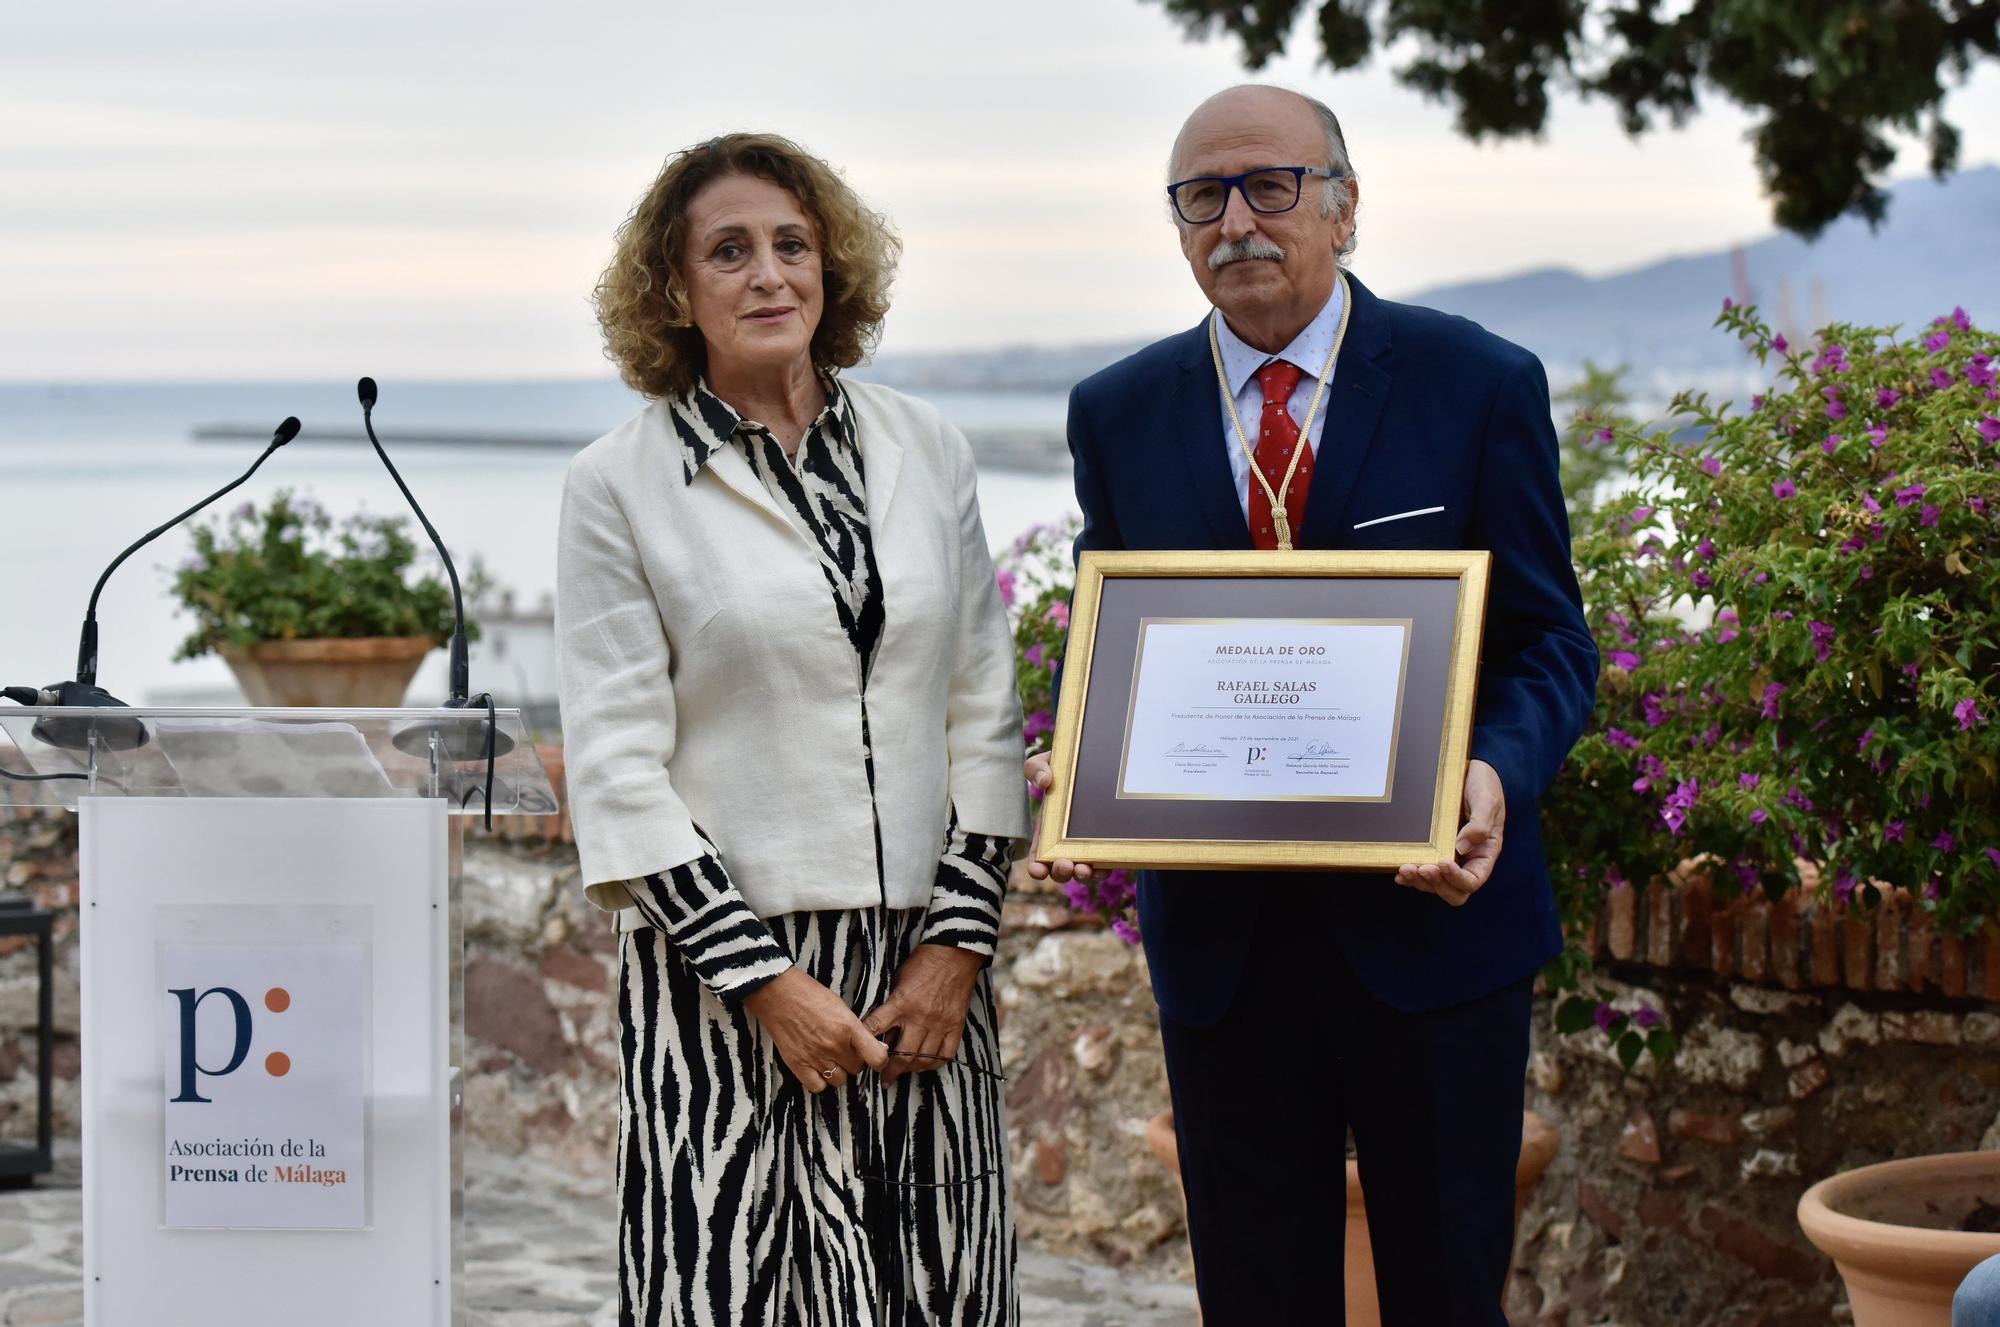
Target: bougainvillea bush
column 1798, row 608
column 1036, row 577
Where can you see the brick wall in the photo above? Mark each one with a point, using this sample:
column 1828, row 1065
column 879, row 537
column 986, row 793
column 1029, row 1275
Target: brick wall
column 1795, row 943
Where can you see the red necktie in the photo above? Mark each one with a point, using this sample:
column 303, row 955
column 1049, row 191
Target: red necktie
column 1277, row 434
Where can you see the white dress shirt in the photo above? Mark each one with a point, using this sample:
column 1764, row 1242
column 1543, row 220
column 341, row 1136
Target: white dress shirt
column 1240, row 362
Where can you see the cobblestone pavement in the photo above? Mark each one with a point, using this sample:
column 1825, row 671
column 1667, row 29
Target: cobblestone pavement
column 538, row 1253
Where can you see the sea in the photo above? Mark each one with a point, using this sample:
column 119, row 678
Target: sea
column 85, row 469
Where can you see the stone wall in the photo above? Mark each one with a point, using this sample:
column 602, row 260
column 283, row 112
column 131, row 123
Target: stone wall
column 1674, row 1198
column 38, row 859
column 1813, row 1041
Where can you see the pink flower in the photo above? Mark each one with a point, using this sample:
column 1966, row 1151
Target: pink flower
column 1711, row 466
column 1940, row 378
column 1908, row 496
column 1937, row 341
column 1605, row 1017
column 1832, row 444
column 1993, row 855
column 1779, row 344
column 1980, row 371
column 1822, row 639
column 1749, row 781
column 1646, row 1018
column 1771, row 694
column 1624, row 659
column 1989, row 429
column 1887, row 397
column 1834, row 408
column 1877, row 434
column 1059, row 613
column 1929, row 515
column 1868, row 572
column 1037, row 725
column 1944, row 842
column 1869, row 503
column 1701, row 579
column 1783, row 489
column 1005, row 580
column 1619, row 737
column 1892, row 832
column 1759, row 816
column 1967, row 713
column 1033, row 654
column 1958, row 319
column 1654, row 707
column 1125, row 929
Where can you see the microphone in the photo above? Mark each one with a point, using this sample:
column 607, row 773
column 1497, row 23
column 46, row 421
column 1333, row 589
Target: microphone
column 416, row 740
column 124, row 734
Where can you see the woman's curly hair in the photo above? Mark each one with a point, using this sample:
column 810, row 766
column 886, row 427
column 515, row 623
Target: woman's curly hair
column 642, row 298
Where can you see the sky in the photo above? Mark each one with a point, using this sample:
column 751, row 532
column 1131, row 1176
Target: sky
column 229, row 189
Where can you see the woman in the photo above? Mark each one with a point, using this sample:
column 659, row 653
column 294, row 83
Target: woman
column 793, row 746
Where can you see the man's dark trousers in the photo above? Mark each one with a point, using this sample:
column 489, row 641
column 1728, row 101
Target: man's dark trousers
column 1350, row 1000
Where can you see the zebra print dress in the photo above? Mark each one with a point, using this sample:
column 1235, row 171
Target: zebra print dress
column 744, row 1198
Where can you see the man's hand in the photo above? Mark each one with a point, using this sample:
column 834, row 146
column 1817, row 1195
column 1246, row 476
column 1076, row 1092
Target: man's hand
column 1038, row 772
column 819, row 1038
column 925, row 1011
column 1478, row 846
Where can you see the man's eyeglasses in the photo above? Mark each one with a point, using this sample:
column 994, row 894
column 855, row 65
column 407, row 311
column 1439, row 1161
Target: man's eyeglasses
column 1268, row 189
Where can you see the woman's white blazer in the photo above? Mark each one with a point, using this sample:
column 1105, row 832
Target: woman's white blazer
column 706, row 679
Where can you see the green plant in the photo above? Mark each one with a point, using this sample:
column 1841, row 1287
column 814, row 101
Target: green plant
column 1798, row 607
column 287, row 572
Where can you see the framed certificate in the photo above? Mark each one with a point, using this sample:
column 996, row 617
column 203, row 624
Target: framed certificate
column 1266, row 710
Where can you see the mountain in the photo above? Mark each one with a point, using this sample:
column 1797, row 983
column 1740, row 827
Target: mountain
column 1938, row 248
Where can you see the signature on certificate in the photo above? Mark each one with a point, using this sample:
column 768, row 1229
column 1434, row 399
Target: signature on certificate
column 1183, row 749
column 1315, row 751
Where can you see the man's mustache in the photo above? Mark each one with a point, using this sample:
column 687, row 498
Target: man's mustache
column 1249, row 247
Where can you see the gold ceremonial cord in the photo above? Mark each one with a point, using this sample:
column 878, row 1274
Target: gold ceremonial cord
column 1277, row 496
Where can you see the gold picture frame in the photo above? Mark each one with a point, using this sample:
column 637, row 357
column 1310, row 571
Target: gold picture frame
column 1086, row 816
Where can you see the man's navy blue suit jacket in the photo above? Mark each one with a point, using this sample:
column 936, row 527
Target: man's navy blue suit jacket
column 1425, row 410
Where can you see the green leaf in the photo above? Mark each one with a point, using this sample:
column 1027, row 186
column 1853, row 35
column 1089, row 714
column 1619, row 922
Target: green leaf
column 1575, row 1014
column 1630, row 1046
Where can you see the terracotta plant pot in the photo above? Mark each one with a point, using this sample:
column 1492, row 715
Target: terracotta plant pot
column 1539, row 1144
column 1888, row 1229
column 370, row 672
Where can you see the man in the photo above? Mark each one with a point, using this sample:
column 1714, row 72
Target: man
column 1296, row 1007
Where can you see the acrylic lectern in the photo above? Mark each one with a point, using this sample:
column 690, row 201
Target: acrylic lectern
column 272, row 1019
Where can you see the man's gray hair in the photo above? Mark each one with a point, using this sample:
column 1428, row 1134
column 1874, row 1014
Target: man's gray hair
column 1338, row 195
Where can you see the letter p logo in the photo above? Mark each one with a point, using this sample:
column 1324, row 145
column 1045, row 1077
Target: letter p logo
column 191, row 1066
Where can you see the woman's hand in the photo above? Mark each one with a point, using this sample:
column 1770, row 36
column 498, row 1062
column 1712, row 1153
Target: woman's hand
column 927, row 1002
column 1043, row 777
column 819, row 1038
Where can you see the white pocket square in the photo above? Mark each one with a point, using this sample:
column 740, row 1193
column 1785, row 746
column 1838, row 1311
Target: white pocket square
column 1399, row 516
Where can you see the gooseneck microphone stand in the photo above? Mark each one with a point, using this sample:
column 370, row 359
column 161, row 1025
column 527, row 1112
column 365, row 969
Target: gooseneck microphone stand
column 420, row 739
column 116, row 734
